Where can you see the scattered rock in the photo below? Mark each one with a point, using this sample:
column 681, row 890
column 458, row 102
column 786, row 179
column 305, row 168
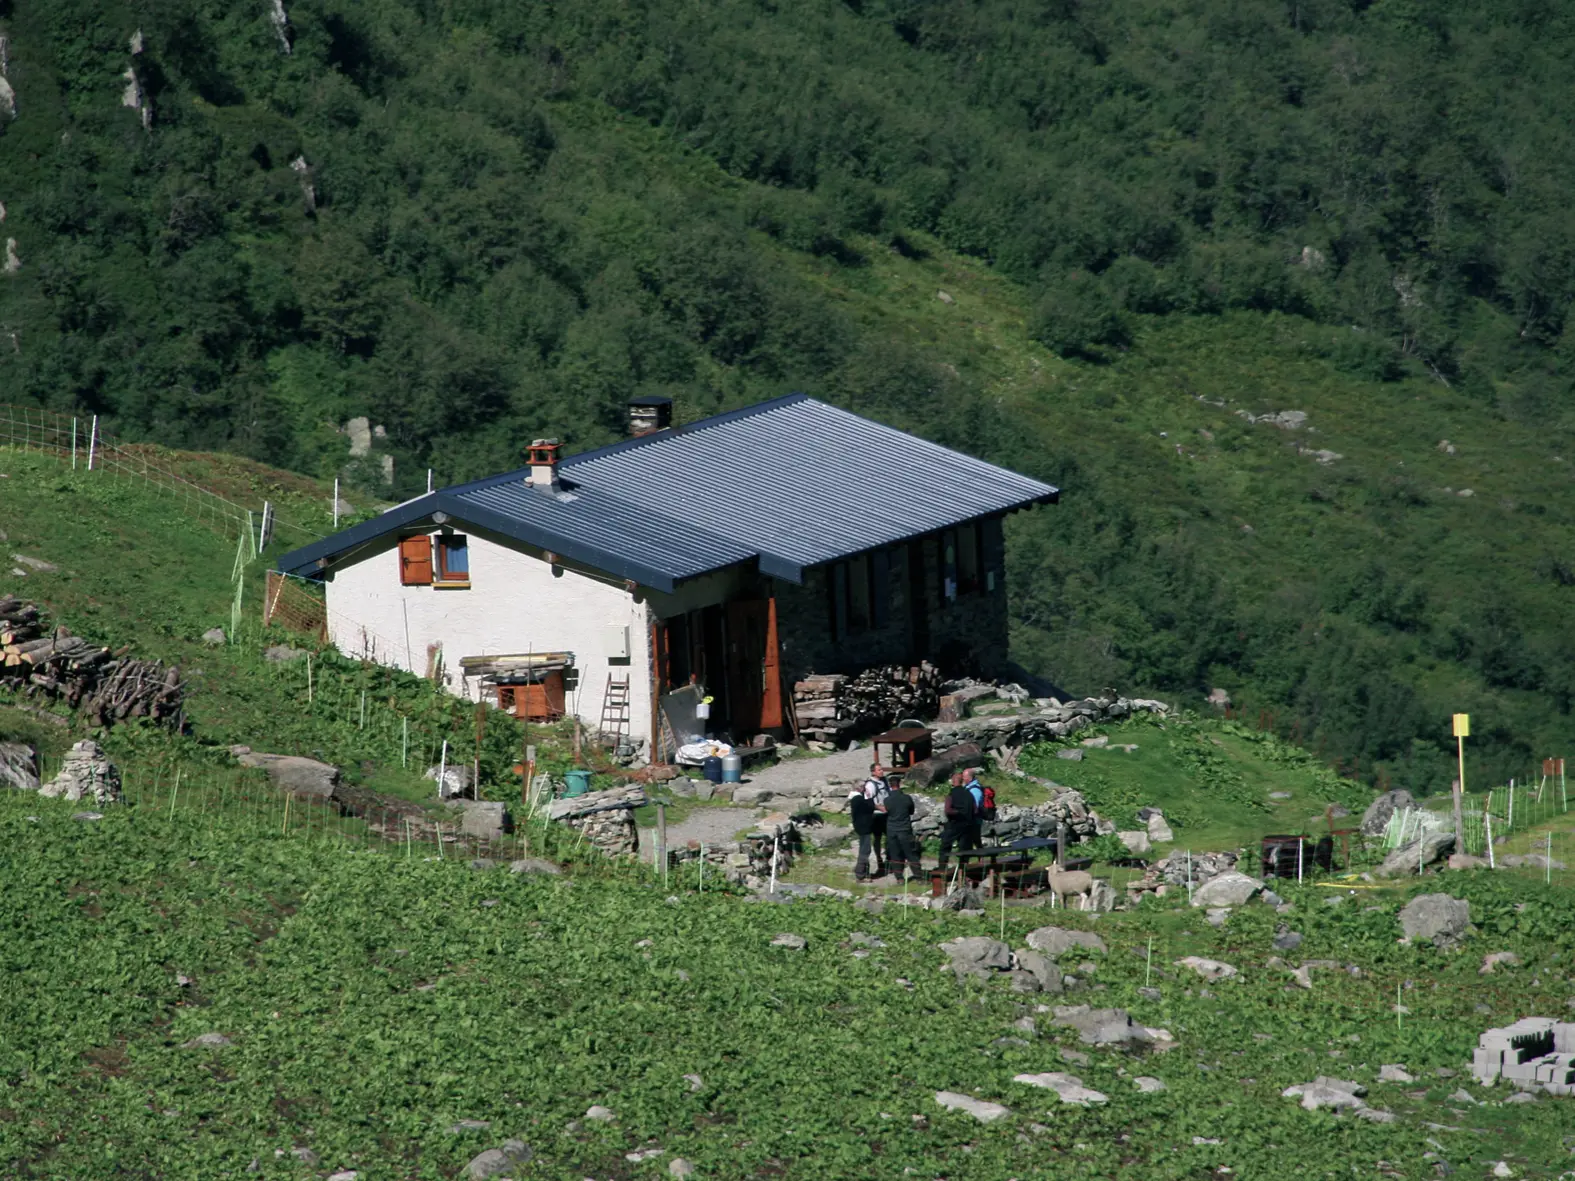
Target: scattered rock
column 980, row 1110
column 305, row 1155
column 600, row 1114
column 1231, row 888
column 344, row 1175
column 1337, row 1094
column 1490, row 962
column 534, row 865
column 1376, row 819
column 1521, row 1097
column 86, row 774
column 292, row 773
column 978, row 955
column 1394, row 1073
column 470, row 1125
column 1279, row 795
column 18, row 766
column 1438, row 917
column 1137, row 843
column 1375, row 1115
column 1102, row 1027
column 1151, row 994
column 790, row 941
column 1147, row 1085
column 1530, row 861
column 486, row 820
column 1217, row 915
column 1076, row 1057
column 1043, row 969
column 696, row 1083
column 283, row 654
column 679, row 1167
column 1158, row 830
column 498, row 1160
column 1069, row 1087
column 1414, row 856
column 206, row 1039
column 1463, row 1096
column 1055, row 941
column 1287, row 940
column 1070, row 753
column 1210, row 970
column 87, row 815
column 38, row 564
column 214, row 637
column 1502, row 1169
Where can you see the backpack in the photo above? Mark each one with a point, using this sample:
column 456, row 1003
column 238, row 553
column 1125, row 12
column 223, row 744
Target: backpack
column 959, row 804
column 989, row 802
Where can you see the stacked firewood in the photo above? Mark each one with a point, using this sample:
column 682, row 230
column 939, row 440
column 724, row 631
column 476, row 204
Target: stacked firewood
column 108, row 686
column 826, row 707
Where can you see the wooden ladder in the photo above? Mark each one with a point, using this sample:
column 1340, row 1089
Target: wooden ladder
column 614, row 728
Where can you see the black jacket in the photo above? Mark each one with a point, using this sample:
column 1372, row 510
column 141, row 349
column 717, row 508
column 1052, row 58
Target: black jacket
column 960, row 806
column 862, row 813
column 899, row 810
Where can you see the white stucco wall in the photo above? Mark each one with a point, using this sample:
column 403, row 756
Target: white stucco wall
column 515, row 603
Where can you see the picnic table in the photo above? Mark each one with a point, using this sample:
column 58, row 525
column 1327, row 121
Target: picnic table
column 905, row 746
column 1005, row 866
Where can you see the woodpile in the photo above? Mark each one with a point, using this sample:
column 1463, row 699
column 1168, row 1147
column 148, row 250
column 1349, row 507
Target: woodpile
column 108, row 686
column 828, row 707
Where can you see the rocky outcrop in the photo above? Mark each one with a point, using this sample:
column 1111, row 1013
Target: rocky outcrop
column 86, row 774
column 1227, row 889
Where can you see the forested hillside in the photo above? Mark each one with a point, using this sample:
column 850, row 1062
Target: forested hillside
column 237, row 225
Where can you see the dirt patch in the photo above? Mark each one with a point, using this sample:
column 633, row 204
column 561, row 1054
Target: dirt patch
column 111, row 1060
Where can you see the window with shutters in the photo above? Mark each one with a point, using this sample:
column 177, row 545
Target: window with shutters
column 453, row 560
column 415, row 561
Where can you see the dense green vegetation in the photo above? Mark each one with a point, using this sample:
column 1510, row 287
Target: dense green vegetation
column 373, row 1001
column 1146, row 219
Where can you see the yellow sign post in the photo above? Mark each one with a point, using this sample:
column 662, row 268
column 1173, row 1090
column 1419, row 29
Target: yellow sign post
column 1462, row 726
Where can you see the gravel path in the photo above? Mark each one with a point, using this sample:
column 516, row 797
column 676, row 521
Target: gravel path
column 851, row 766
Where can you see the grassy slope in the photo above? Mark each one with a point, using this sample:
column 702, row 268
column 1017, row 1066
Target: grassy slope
column 373, row 1001
column 315, row 959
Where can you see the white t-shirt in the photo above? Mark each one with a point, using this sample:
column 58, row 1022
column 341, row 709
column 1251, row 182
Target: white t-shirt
column 876, row 791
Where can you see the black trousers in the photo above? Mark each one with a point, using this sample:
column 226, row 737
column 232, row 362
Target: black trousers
column 962, row 833
column 902, row 851
column 861, row 867
column 878, row 841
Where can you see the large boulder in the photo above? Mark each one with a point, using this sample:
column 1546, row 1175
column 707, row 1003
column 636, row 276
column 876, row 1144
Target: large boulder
column 1068, row 1086
column 1331, row 1093
column 977, row 955
column 18, row 766
column 1041, row 967
column 86, row 774
column 1438, row 917
column 1416, row 855
column 1231, row 888
column 1158, row 830
column 485, row 820
column 1054, row 941
column 499, row 1160
column 1136, row 841
column 1376, row 819
column 939, row 768
column 292, row 773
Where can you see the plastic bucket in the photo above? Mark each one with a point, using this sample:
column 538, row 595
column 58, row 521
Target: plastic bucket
column 732, row 769
column 576, row 783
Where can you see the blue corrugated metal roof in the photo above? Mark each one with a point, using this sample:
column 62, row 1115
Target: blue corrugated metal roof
column 792, row 482
column 802, row 482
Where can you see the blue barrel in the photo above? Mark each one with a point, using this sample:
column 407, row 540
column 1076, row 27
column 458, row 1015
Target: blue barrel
column 712, row 769
column 732, row 769
column 576, row 783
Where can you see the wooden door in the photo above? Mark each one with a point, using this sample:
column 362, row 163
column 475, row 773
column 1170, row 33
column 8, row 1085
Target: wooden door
column 749, row 626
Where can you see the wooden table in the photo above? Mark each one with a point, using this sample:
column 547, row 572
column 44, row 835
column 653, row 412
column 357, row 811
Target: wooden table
column 909, row 745
column 1016, row 857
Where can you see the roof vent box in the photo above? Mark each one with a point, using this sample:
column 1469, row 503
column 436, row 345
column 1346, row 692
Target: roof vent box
column 649, row 414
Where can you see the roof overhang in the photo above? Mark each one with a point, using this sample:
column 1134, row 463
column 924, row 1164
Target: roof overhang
column 319, row 558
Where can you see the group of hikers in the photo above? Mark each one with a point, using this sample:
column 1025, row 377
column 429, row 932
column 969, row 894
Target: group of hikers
column 883, row 815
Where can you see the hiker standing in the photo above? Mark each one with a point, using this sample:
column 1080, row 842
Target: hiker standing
column 962, row 823
column 861, row 810
column 876, row 789
column 983, row 804
column 902, row 847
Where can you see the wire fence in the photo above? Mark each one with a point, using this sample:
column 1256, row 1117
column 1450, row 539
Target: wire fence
column 81, row 441
column 1487, row 818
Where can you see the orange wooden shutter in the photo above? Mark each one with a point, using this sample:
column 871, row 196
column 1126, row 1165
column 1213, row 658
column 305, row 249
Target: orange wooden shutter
column 415, row 561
